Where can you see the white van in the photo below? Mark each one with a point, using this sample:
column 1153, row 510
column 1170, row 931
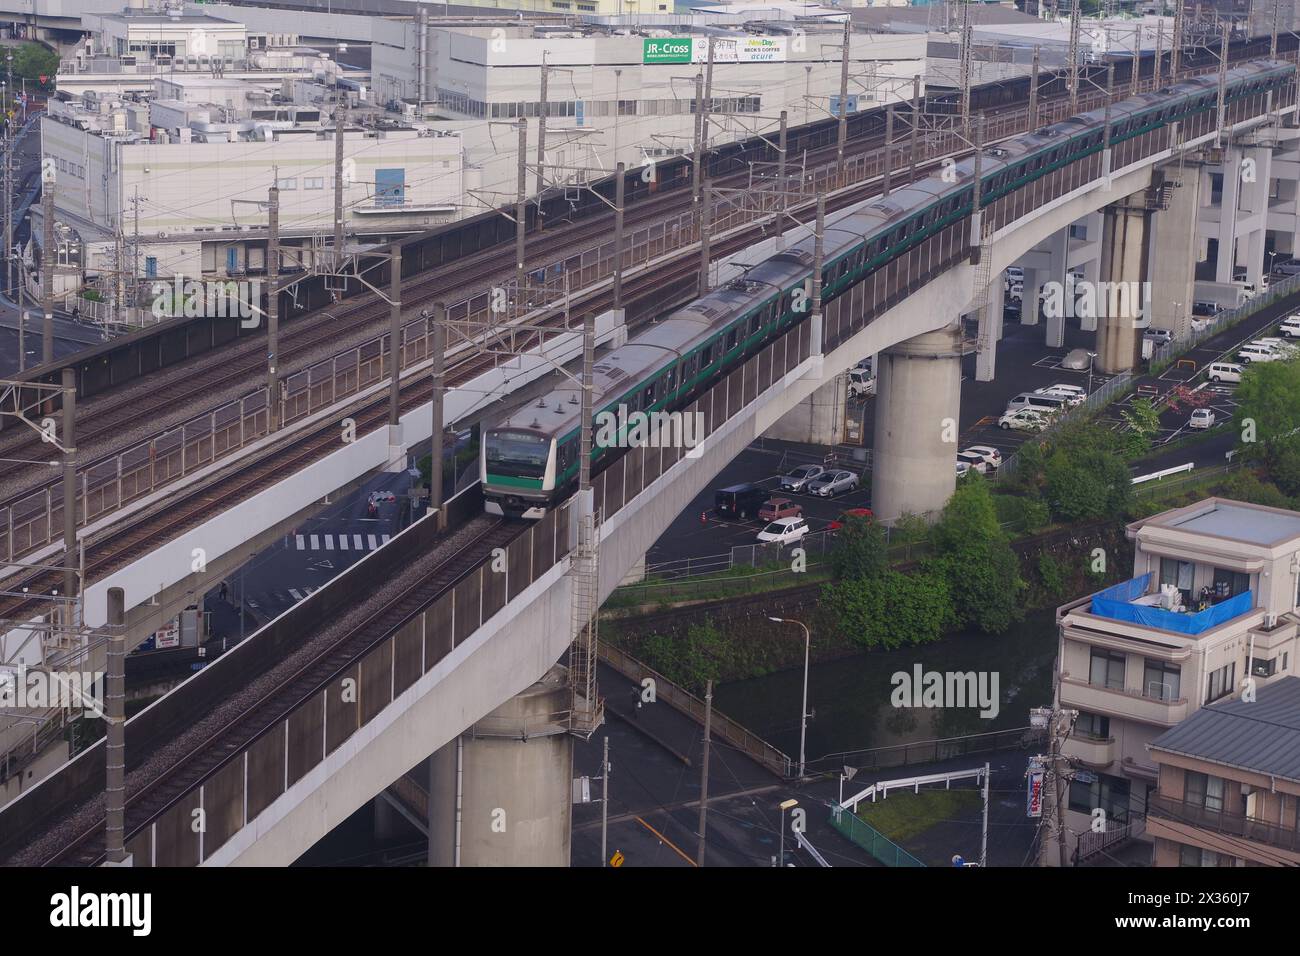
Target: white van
column 1257, row 353
column 1042, row 403
column 1224, row 372
column 1291, row 327
column 1073, row 394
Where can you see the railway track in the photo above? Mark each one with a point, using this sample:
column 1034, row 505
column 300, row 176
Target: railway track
column 164, row 777
column 248, row 476
column 243, row 363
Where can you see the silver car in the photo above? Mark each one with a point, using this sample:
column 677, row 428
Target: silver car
column 798, row 479
column 832, row 483
column 1077, row 360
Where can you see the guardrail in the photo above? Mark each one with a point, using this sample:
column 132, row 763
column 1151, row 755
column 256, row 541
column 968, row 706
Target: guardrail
column 1157, row 475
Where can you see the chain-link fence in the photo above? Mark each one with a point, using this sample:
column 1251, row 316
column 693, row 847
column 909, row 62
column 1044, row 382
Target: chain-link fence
column 863, row 834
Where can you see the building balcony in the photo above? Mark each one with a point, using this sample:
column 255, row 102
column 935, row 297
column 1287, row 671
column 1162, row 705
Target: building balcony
column 1121, row 702
column 1218, row 821
column 1096, row 752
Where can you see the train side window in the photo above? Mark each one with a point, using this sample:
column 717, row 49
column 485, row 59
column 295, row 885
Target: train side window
column 731, row 339
column 648, row 396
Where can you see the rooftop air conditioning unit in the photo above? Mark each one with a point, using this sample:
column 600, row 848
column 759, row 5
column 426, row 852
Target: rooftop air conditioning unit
column 1270, row 621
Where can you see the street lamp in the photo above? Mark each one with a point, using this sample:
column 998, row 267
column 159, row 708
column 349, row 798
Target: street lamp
column 1092, row 360
column 803, row 711
column 785, row 805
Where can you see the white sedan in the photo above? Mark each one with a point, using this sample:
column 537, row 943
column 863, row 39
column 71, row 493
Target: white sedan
column 1201, row 418
column 784, row 531
column 992, row 457
column 1025, row 419
column 967, row 460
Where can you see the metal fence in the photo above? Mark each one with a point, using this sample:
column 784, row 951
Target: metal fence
column 1095, row 401
column 1167, row 352
column 926, row 751
column 863, row 834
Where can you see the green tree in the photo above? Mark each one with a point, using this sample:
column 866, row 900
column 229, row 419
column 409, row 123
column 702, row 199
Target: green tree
column 860, row 549
column 33, row 60
column 974, row 556
column 889, row 610
column 1268, row 410
column 1143, row 424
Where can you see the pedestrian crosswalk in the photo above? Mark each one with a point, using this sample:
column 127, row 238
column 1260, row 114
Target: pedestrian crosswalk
column 340, row 542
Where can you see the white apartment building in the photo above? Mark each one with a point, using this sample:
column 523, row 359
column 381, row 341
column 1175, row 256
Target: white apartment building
column 1213, row 602
column 179, row 184
column 615, row 95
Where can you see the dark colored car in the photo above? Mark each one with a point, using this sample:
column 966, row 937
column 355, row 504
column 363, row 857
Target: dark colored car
column 739, row 501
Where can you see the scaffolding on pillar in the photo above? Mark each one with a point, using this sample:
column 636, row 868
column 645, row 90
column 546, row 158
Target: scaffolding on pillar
column 983, row 277
column 587, row 709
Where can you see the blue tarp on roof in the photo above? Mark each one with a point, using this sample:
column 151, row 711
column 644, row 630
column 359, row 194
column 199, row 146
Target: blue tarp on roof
column 1116, row 604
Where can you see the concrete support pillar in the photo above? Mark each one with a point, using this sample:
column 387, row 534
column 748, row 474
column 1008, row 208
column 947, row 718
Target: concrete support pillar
column 1256, row 173
column 1091, row 269
column 1172, row 251
column 1226, row 234
column 503, row 791
column 1120, row 300
column 918, row 399
column 1058, row 249
column 1034, row 279
column 990, row 334
column 818, row 419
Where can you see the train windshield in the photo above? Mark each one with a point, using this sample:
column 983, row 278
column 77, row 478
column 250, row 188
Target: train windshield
column 517, row 454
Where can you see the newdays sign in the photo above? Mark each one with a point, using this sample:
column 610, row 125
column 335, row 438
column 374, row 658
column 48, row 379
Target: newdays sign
column 725, row 50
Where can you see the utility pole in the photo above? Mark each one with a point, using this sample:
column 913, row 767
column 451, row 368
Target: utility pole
column 889, row 149
column 1074, row 56
column 115, row 731
column 48, row 258
column 706, row 223
column 964, row 66
column 1033, row 93
column 704, row 772
column 22, row 340
column 620, row 174
column 783, row 192
column 984, row 832
column 395, row 335
column 1176, row 45
column 69, row 442
column 604, row 801
column 698, row 164
column 10, row 263
column 340, row 121
column 1159, row 71
column 542, row 112
column 913, row 138
column 438, row 346
column 843, row 132
column 135, row 249
column 1223, row 85
column 521, row 215
column 273, row 303
column 1137, row 61
column 1272, row 42
column 706, row 106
